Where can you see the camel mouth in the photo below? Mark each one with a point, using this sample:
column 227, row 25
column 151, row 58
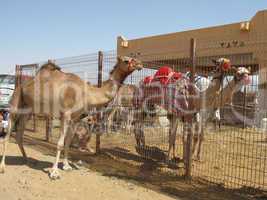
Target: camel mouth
column 139, row 67
column 246, row 79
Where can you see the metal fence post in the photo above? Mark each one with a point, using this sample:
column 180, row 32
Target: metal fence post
column 245, row 107
column 189, row 128
column 17, row 76
column 49, row 119
column 100, row 71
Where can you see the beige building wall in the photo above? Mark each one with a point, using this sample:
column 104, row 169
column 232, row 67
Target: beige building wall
column 245, row 43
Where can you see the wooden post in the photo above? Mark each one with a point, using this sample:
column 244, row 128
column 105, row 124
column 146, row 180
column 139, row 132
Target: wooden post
column 100, row 71
column 189, row 127
column 17, row 83
column 17, row 76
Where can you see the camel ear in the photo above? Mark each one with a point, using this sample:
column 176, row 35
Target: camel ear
column 124, row 59
column 119, row 58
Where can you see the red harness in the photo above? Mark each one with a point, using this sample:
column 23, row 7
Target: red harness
column 165, row 75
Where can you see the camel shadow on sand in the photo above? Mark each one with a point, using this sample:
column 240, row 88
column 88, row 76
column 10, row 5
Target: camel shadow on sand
column 30, row 162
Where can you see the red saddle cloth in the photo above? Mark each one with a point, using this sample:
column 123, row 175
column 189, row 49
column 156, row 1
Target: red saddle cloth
column 165, row 75
column 166, row 88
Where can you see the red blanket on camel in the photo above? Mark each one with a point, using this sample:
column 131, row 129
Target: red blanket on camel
column 167, row 89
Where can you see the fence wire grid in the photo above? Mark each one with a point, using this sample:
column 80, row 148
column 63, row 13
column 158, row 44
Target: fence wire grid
column 234, row 150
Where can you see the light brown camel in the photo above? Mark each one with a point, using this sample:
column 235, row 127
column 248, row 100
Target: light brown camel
column 65, row 96
column 209, row 101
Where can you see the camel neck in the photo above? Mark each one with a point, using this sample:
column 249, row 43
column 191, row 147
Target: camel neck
column 226, row 94
column 206, row 97
column 118, row 74
column 103, row 95
column 222, row 97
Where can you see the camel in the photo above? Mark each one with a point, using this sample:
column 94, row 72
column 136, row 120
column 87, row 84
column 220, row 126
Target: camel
column 64, row 96
column 182, row 85
column 222, row 97
column 207, row 100
column 202, row 117
column 83, row 133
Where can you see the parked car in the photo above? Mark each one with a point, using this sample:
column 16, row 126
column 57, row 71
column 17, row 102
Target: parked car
column 7, row 86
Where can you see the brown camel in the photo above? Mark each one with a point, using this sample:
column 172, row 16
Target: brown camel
column 222, row 97
column 208, row 102
column 65, row 96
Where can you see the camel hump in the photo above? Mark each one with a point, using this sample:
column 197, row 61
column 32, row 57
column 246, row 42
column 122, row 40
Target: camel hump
column 50, row 66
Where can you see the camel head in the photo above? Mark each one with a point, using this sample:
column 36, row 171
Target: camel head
column 50, row 66
column 222, row 64
column 124, row 67
column 242, row 75
column 128, row 64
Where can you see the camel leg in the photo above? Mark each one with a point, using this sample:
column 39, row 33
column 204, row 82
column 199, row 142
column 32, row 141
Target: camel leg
column 172, row 137
column 139, row 130
column 90, row 130
column 196, row 137
column 170, row 142
column 201, row 139
column 139, row 134
column 185, row 131
column 69, row 137
column 19, row 135
column 131, row 121
column 65, row 122
column 5, row 143
column 110, row 120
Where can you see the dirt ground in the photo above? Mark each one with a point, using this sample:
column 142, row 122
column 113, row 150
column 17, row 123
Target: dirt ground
column 120, row 173
column 31, row 182
column 97, row 177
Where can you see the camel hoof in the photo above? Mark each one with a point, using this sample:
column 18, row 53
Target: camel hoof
column 54, row 175
column 2, row 169
column 67, row 167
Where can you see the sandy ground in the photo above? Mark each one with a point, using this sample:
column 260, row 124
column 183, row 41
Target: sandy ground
column 31, row 182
